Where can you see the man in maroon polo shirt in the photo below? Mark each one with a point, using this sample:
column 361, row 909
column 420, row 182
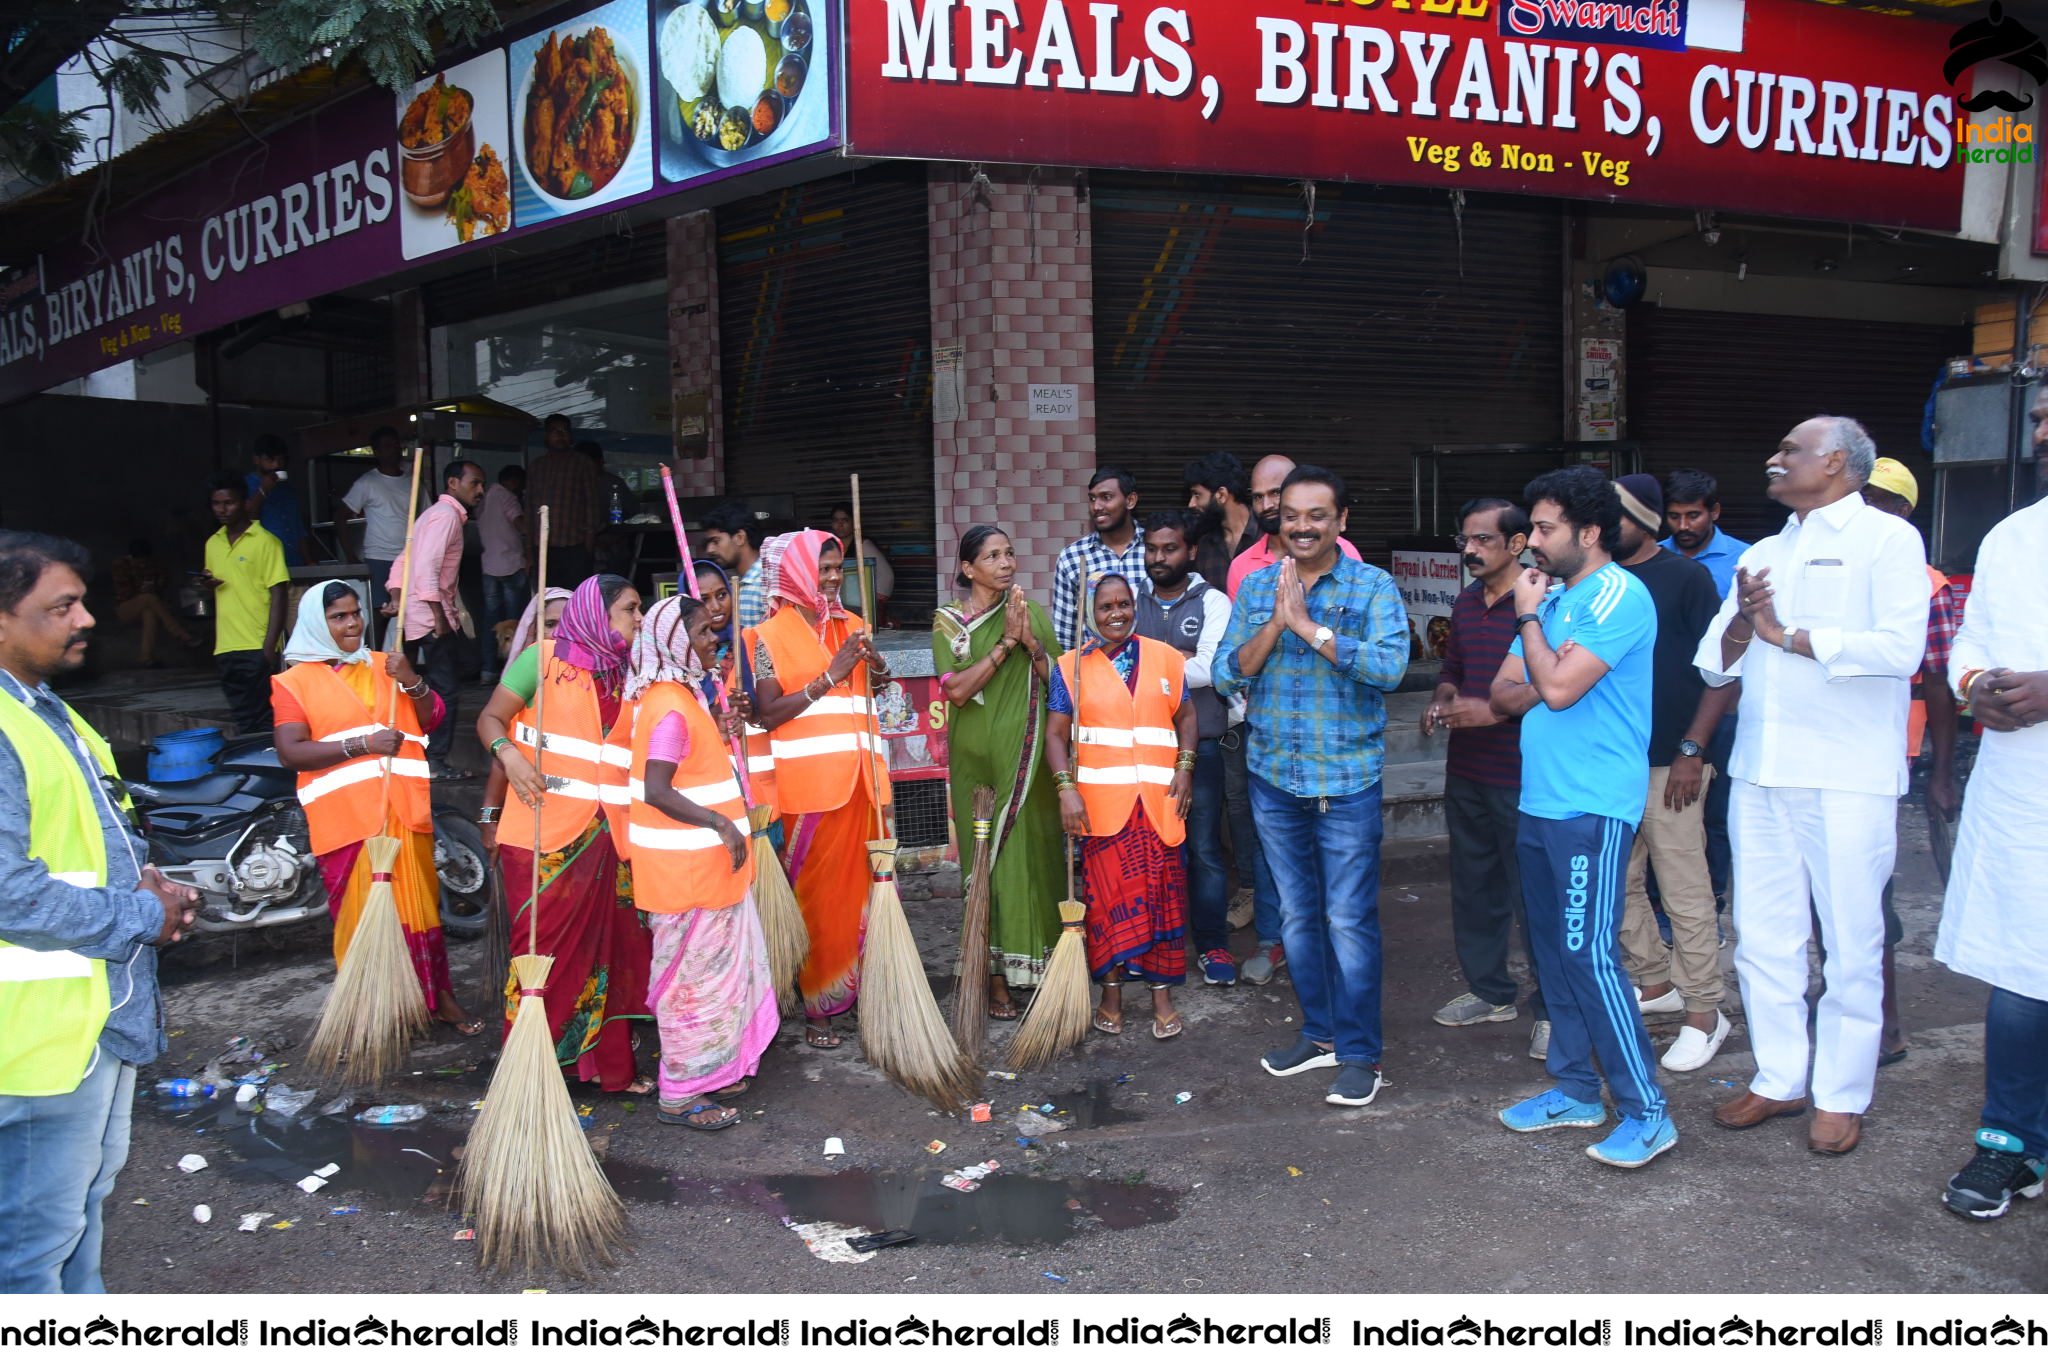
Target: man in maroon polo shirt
column 1483, row 776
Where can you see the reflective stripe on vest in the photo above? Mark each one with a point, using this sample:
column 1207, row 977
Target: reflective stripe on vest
column 582, row 767
column 1124, row 748
column 677, row 865
column 349, row 802
column 54, row 1004
column 826, row 753
column 759, row 747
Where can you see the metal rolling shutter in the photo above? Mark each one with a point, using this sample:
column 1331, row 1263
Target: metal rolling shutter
column 1715, row 392
column 825, row 359
column 1406, row 325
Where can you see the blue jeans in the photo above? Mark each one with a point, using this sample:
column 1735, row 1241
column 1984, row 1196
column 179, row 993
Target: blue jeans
column 505, row 598
column 1325, row 857
column 1574, row 874
column 61, row 1155
column 1203, row 852
column 2016, row 1069
column 1252, row 869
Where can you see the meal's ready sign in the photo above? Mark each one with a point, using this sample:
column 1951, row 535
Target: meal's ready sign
column 1771, row 106
column 1055, row 402
column 585, row 111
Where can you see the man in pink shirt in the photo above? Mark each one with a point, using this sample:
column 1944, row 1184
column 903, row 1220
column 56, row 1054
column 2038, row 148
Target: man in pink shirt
column 1267, row 477
column 433, row 606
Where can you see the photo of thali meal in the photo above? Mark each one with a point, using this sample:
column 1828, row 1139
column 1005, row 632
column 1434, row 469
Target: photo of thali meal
column 736, row 81
column 580, row 112
column 452, row 139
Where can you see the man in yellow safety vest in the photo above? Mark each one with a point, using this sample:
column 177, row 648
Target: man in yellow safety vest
column 80, row 914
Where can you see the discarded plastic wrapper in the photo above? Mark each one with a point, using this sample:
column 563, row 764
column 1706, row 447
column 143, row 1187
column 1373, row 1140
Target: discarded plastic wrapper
column 285, row 1102
column 1183, row 1098
column 1293, row 1171
column 191, row 1162
column 345, row 1210
column 309, row 1185
column 392, row 1115
column 203, row 1214
column 463, row 1235
column 829, row 1242
column 1007, row 1077
column 247, row 1093
column 253, row 1221
column 936, row 1146
column 1122, row 1078
column 835, row 1148
column 980, row 1112
column 1054, row 1277
column 284, row 1224
column 958, row 1183
column 328, row 1171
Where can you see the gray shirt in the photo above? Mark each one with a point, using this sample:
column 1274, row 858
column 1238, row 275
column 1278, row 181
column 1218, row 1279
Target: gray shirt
column 117, row 923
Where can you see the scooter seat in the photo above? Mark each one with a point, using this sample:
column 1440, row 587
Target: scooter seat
column 208, row 790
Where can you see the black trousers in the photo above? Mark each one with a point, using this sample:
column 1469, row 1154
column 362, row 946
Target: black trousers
column 439, row 661
column 1486, row 887
column 245, row 679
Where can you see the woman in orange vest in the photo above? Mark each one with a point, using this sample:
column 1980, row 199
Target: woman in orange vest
column 1124, row 764
column 331, row 706
column 714, row 583
column 522, row 637
column 693, row 875
column 588, row 923
column 812, row 670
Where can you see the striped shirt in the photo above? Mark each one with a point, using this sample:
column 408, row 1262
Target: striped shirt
column 1091, row 556
column 1318, row 729
column 1480, row 637
column 754, row 605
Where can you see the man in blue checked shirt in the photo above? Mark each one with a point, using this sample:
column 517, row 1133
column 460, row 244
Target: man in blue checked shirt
column 1313, row 642
column 1579, row 677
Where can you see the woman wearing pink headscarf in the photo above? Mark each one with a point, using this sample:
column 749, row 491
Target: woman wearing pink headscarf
column 813, row 664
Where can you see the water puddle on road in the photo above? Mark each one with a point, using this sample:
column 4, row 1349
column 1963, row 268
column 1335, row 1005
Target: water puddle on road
column 1091, row 1107
column 387, row 1164
column 1006, row 1209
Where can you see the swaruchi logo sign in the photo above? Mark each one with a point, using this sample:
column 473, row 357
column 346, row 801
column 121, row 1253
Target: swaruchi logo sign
column 1772, row 106
column 1660, row 24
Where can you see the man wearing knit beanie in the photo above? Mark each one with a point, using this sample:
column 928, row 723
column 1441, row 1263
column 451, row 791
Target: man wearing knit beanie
column 1684, row 976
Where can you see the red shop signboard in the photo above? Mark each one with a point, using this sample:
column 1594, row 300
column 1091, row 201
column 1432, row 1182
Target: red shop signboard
column 911, row 715
column 1770, row 106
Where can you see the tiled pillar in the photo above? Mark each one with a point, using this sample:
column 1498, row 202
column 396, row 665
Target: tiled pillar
column 693, row 353
column 1012, row 289
column 411, row 382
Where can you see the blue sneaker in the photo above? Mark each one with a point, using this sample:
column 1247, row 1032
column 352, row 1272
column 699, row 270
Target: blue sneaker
column 1218, row 968
column 1634, row 1142
column 1356, row 1085
column 1552, row 1110
column 1297, row 1057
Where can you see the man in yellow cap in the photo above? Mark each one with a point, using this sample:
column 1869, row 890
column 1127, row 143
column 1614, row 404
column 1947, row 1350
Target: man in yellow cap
column 1892, row 489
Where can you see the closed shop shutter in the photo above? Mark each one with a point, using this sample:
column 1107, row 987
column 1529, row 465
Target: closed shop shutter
column 1223, row 320
column 522, row 280
column 1715, row 392
column 824, row 296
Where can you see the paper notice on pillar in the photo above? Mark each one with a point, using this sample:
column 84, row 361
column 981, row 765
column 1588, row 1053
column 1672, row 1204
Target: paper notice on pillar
column 946, row 397
column 582, row 113
column 1597, row 413
column 453, row 141
column 1053, row 402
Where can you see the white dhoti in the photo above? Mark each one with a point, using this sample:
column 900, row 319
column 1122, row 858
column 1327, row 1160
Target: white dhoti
column 1994, row 922
column 1802, row 853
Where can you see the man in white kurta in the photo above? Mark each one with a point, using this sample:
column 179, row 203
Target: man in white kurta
column 1994, row 925
column 1824, row 624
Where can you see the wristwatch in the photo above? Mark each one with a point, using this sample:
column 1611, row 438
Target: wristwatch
column 1689, row 747
column 1526, row 618
column 1323, row 637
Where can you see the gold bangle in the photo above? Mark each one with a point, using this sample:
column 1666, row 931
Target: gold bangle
column 1739, row 640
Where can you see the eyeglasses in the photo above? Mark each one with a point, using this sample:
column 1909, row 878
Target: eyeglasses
column 1482, row 541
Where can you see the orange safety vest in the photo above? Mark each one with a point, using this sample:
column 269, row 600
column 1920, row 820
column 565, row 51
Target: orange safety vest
column 760, row 751
column 345, row 802
column 584, row 766
column 827, row 752
column 678, row 866
column 1916, row 716
column 1125, row 743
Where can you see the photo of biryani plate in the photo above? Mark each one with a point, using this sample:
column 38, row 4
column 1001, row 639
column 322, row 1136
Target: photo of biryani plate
column 578, row 112
column 732, row 72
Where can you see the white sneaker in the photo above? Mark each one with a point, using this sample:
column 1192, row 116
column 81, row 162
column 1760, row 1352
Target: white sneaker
column 1539, row 1040
column 1669, row 1004
column 1694, row 1047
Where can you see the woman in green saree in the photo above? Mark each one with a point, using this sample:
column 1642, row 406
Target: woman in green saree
column 990, row 654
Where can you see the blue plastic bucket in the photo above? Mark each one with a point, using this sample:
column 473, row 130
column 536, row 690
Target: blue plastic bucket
column 180, row 755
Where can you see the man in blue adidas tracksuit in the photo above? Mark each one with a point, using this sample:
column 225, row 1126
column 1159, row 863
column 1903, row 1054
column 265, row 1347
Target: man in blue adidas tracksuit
column 1578, row 674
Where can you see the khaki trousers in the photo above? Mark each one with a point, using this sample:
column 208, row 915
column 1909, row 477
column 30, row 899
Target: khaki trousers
column 1675, row 843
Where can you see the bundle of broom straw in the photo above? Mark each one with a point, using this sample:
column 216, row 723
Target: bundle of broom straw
column 901, row 1030
column 1057, row 1019
column 528, row 1174
column 782, row 921
column 377, row 1008
column 971, row 986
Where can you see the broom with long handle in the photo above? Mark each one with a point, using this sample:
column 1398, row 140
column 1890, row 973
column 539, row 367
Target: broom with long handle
column 782, row 921
column 1057, row 1019
column 971, row 986
column 901, row 1030
column 377, row 1007
column 528, row 1174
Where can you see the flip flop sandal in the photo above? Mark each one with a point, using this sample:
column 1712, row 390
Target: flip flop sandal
column 1166, row 1030
column 689, row 1119
column 1003, row 1011
column 737, row 1089
column 820, row 1038
column 1106, row 1025
column 469, row 1029
column 640, row 1086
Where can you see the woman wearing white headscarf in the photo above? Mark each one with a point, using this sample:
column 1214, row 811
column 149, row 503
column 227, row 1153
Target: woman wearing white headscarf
column 709, row 988
column 346, row 714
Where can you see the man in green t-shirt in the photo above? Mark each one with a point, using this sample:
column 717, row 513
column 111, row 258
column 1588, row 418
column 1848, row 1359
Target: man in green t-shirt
column 245, row 569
